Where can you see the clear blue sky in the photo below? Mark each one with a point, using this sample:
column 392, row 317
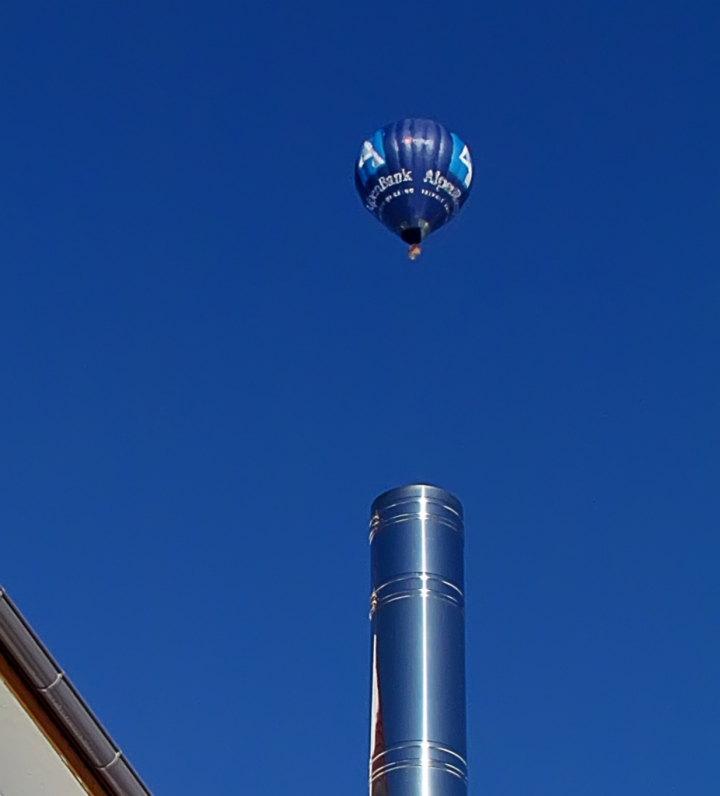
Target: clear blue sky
column 212, row 359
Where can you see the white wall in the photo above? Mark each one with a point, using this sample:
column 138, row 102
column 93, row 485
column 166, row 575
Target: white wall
column 29, row 764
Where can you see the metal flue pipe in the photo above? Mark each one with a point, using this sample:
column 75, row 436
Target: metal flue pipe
column 417, row 722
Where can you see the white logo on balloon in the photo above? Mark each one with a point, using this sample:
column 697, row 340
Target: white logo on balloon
column 465, row 159
column 368, row 153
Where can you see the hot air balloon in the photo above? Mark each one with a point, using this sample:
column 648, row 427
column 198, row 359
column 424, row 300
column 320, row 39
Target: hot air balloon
column 414, row 176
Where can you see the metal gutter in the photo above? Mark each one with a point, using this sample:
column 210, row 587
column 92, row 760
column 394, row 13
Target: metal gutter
column 58, row 695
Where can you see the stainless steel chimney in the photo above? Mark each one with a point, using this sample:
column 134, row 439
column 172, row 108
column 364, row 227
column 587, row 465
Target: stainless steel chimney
column 417, row 722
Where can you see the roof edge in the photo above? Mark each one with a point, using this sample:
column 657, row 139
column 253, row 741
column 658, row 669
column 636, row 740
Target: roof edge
column 60, row 698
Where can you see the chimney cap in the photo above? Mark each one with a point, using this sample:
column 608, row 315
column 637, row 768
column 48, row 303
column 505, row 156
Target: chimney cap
column 413, row 492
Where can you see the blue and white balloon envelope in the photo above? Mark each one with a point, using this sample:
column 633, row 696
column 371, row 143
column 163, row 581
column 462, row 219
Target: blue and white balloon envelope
column 414, row 176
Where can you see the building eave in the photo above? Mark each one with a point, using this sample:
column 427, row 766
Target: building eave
column 57, row 696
